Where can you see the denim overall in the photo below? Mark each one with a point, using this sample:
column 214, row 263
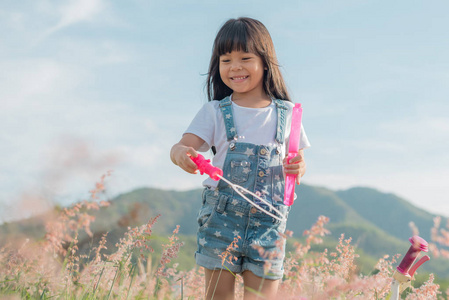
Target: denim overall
column 225, row 215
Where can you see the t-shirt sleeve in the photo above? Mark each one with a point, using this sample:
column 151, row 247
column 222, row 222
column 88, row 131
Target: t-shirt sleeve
column 303, row 140
column 203, row 126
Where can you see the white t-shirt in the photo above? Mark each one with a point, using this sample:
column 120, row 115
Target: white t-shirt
column 253, row 125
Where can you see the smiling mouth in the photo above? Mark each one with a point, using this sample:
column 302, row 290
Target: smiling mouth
column 239, row 78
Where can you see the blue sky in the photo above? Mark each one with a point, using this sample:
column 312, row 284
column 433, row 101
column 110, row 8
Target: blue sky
column 92, row 85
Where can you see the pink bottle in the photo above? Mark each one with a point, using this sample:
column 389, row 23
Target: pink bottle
column 293, row 148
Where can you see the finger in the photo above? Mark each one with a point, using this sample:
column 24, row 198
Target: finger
column 189, row 166
column 193, row 166
column 192, row 152
column 287, row 161
column 293, row 172
column 191, row 170
column 298, row 180
column 292, row 167
column 296, row 159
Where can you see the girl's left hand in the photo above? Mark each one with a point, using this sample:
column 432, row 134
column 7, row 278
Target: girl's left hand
column 296, row 165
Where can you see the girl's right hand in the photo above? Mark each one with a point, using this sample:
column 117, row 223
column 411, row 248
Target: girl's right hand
column 181, row 152
column 180, row 155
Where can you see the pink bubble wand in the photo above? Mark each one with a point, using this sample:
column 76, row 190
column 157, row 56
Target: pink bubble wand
column 293, row 149
column 403, row 275
column 205, row 167
column 418, row 245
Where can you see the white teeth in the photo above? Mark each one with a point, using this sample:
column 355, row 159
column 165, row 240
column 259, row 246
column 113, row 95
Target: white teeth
column 239, row 78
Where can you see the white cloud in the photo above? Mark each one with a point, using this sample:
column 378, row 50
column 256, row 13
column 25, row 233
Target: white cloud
column 143, row 156
column 33, row 83
column 423, row 125
column 433, row 73
column 74, row 12
column 91, row 54
column 377, row 145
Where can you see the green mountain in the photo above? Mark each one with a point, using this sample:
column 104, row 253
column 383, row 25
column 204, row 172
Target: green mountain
column 377, row 222
column 388, row 212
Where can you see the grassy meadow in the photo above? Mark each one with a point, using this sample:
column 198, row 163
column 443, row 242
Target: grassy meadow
column 143, row 265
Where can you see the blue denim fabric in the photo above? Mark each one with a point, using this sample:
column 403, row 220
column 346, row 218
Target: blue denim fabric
column 223, row 218
column 226, row 215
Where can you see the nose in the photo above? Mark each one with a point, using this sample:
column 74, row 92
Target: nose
column 236, row 66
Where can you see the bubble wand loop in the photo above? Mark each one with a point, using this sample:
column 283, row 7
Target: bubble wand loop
column 216, row 174
column 237, row 188
column 293, row 148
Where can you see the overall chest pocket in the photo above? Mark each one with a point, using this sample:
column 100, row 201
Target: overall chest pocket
column 240, row 170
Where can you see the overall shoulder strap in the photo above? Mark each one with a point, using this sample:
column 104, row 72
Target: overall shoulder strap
column 226, row 109
column 282, row 110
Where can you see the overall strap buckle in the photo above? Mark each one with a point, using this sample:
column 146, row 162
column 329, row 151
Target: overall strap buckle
column 282, row 109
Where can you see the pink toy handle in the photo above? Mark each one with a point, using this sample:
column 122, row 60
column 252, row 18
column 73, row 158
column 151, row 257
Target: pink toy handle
column 293, row 148
column 422, row 260
column 204, row 166
column 418, row 245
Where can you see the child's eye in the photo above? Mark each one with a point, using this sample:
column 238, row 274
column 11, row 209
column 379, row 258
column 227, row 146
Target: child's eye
column 246, row 58
column 225, row 60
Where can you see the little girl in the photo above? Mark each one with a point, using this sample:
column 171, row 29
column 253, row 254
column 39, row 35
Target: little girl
column 247, row 122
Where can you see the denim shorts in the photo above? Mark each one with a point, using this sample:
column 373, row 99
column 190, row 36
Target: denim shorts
column 259, row 245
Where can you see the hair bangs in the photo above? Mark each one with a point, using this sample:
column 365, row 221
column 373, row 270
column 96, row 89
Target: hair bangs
column 234, row 38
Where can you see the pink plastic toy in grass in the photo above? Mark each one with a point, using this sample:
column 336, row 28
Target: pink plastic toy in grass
column 403, row 275
column 418, row 245
column 293, row 148
column 205, row 167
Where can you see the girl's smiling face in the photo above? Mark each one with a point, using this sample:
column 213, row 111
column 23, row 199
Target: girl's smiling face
column 242, row 72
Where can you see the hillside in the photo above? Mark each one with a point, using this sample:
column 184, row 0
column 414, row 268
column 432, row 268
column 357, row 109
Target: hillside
column 377, row 222
column 388, row 212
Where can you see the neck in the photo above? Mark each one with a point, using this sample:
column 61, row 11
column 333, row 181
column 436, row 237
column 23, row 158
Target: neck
column 252, row 101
